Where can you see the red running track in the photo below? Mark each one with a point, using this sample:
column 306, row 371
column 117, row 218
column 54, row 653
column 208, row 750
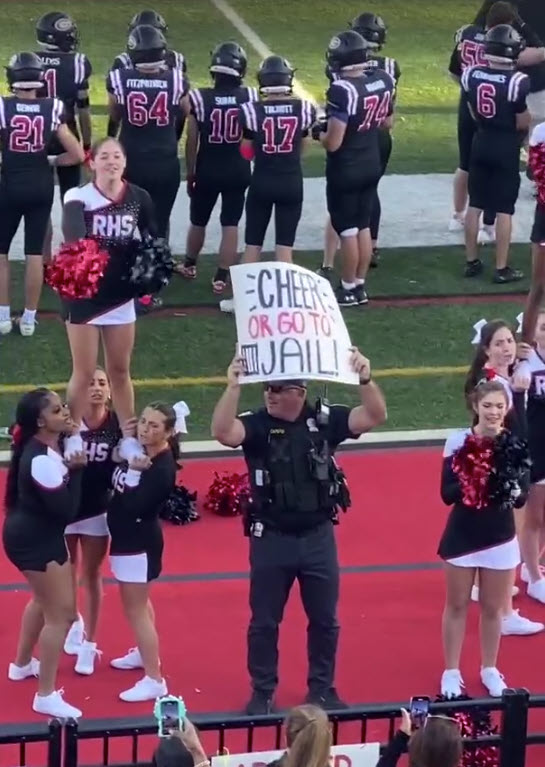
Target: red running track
column 390, row 606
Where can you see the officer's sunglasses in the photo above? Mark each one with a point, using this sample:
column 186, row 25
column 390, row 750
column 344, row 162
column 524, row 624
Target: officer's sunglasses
column 278, row 389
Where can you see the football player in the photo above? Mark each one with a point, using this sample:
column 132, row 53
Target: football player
column 66, row 77
column 495, row 95
column 214, row 165
column 147, row 101
column 360, row 103
column 173, row 59
column 27, row 125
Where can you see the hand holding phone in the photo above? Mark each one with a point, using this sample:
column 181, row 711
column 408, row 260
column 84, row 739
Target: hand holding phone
column 169, row 712
column 419, row 710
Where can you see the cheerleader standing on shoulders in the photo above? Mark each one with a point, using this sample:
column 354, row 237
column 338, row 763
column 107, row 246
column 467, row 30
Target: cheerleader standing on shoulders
column 100, row 433
column 484, row 476
column 110, row 211
column 140, row 489
column 531, row 535
column 42, row 496
column 494, row 360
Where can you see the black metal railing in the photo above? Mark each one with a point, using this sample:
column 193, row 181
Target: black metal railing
column 102, row 737
column 49, row 736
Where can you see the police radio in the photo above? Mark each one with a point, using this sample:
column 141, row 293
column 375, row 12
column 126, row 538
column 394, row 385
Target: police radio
column 322, row 410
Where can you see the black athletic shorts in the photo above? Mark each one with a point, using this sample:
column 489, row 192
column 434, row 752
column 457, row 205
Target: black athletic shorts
column 494, row 177
column 466, row 131
column 160, row 177
column 31, row 199
column 538, row 228
column 204, row 198
column 32, row 545
column 285, row 195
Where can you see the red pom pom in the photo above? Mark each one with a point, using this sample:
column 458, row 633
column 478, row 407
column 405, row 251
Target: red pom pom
column 490, row 374
column 228, row 494
column 16, row 434
column 536, row 161
column 76, row 270
column 472, row 464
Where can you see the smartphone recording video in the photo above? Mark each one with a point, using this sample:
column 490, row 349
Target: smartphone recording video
column 419, row 710
column 170, row 716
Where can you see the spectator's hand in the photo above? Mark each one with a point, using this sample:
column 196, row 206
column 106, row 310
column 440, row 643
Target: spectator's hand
column 235, row 370
column 360, row 364
column 140, row 462
column 406, row 724
column 190, row 738
column 77, row 460
column 521, row 378
column 129, row 427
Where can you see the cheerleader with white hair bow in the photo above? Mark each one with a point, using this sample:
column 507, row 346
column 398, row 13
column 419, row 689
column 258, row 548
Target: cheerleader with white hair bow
column 494, row 360
column 140, row 490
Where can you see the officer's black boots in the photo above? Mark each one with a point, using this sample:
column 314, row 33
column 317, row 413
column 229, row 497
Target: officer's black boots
column 326, row 699
column 260, row 703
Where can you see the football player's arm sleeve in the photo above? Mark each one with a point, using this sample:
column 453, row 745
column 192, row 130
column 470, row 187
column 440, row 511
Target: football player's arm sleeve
column 73, row 219
column 337, row 102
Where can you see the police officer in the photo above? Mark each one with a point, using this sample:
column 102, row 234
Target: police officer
column 297, row 491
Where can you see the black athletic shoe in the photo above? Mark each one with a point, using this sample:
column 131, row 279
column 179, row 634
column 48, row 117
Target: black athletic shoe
column 260, row 703
column 375, row 258
column 361, row 295
column 326, row 699
column 507, row 275
column 473, row 268
column 346, row 297
column 326, row 271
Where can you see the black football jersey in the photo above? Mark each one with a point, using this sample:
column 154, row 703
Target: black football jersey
column 173, row 60
column 387, row 64
column 26, row 129
column 363, row 103
column 97, row 475
column 495, row 96
column 277, row 129
column 468, row 50
column 66, row 74
column 150, row 108
column 217, row 113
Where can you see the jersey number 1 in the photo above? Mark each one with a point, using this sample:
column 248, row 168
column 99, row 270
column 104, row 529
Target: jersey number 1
column 139, row 114
column 27, row 134
column 50, row 77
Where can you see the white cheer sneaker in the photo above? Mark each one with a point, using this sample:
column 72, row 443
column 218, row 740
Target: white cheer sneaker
column 145, row 689
column 55, row 705
column 18, row 673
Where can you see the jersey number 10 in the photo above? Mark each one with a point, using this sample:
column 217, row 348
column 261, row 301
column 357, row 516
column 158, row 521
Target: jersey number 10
column 140, row 113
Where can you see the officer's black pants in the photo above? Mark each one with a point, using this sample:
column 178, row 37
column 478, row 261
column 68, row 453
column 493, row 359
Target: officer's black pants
column 276, row 560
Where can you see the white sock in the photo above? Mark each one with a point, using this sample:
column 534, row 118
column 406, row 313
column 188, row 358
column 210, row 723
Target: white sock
column 29, row 316
column 5, row 313
column 348, row 285
column 359, row 281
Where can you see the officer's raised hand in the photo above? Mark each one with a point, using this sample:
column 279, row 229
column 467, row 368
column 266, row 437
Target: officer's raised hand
column 235, row 371
column 360, row 365
column 225, row 426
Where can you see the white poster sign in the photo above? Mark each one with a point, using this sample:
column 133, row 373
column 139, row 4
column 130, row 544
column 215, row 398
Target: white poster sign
column 289, row 325
column 357, row 755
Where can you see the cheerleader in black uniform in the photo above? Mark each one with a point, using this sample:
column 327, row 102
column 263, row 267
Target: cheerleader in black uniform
column 100, row 433
column 480, row 536
column 140, row 489
column 110, row 211
column 42, row 496
column 494, row 360
column 531, row 535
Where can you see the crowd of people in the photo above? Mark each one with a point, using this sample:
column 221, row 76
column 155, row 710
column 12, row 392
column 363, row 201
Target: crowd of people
column 88, row 477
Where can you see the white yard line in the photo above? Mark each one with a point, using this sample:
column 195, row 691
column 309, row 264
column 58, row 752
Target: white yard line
column 253, row 39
